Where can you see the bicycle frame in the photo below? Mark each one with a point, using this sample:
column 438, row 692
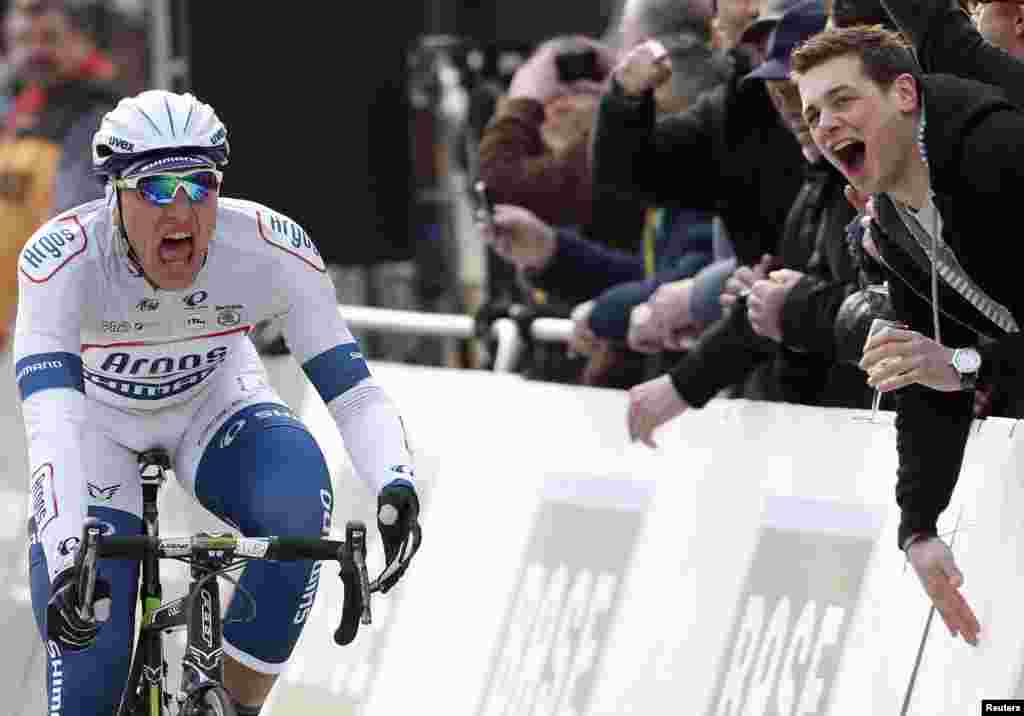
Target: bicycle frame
column 199, row 613
column 210, row 556
column 203, row 661
column 145, row 693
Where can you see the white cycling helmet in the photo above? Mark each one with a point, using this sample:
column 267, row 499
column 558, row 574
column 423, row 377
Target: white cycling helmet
column 157, row 124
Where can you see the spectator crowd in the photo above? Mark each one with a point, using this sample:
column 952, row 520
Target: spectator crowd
column 732, row 196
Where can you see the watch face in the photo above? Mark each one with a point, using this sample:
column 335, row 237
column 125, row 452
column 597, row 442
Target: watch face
column 967, row 360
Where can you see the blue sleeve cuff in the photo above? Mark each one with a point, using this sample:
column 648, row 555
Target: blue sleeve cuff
column 708, row 284
column 336, row 370
column 49, row 370
column 609, row 317
column 691, row 264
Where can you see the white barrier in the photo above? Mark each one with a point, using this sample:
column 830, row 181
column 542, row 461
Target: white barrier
column 745, row 567
column 748, row 566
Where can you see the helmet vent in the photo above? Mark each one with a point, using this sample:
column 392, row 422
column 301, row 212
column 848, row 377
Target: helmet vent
column 150, row 120
column 170, row 117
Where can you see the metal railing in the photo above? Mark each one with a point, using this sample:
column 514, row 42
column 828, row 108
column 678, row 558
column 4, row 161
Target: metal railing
column 508, row 332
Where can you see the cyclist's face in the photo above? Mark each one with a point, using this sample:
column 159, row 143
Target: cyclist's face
column 170, row 241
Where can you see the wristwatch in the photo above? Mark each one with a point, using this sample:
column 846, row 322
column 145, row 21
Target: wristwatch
column 966, row 362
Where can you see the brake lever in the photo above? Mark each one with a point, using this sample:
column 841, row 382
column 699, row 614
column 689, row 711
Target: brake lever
column 355, row 537
column 87, row 556
column 352, row 560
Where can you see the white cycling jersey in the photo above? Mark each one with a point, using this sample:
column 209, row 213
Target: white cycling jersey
column 91, row 327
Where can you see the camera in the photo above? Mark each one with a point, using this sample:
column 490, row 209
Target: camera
column 578, row 65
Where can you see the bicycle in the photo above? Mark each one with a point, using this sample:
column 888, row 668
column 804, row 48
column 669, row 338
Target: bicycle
column 210, row 556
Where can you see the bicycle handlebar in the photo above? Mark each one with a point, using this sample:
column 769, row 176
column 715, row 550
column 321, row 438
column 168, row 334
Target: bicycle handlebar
column 282, row 549
column 350, row 554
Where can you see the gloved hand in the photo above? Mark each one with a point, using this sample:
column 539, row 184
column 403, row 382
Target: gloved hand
column 64, row 624
column 398, row 511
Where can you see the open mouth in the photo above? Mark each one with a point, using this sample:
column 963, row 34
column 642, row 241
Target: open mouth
column 176, row 248
column 850, row 154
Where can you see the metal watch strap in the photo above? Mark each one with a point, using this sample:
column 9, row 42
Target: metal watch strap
column 968, row 381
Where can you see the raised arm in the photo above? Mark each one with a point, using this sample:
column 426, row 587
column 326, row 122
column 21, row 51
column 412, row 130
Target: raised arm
column 946, row 41
column 667, row 162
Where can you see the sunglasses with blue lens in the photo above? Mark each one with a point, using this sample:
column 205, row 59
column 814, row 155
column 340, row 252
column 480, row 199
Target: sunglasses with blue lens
column 160, row 189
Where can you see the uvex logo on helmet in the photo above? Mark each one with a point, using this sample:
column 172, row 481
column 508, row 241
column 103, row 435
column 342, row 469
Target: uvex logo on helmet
column 122, row 144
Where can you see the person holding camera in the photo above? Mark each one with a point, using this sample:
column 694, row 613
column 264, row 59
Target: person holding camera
column 534, row 151
column 677, row 241
column 534, row 154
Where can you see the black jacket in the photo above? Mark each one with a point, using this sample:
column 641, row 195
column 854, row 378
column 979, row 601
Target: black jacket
column 728, row 154
column 974, row 141
column 946, row 41
column 803, row 368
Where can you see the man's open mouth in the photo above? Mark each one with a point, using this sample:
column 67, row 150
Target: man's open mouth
column 850, row 153
column 176, row 248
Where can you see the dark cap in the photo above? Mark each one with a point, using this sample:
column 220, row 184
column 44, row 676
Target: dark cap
column 799, row 24
column 766, row 21
column 847, row 13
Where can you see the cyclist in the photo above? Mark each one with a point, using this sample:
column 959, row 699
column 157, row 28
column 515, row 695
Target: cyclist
column 132, row 334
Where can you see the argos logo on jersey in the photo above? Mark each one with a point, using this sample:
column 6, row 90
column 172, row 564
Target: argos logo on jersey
column 122, row 363
column 154, row 377
column 289, row 236
column 50, row 249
